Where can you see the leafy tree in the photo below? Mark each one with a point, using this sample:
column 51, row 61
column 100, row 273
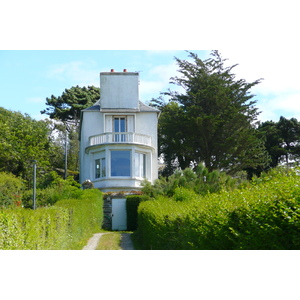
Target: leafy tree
column 22, row 140
column 212, row 121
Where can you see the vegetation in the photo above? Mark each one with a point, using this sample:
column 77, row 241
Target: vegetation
column 66, row 225
column 211, row 143
column 263, row 216
column 65, row 110
column 213, row 121
column 11, row 190
column 200, row 180
column 281, row 140
column 68, row 106
column 53, row 189
column 22, row 140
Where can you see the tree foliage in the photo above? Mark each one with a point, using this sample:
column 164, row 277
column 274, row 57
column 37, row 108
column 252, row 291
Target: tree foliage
column 212, row 121
column 66, row 110
column 281, row 140
column 22, row 140
column 68, row 106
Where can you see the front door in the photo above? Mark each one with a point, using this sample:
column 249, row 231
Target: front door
column 119, row 215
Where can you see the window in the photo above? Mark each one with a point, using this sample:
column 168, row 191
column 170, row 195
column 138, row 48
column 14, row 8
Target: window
column 119, row 126
column 140, row 165
column 120, row 163
column 100, row 170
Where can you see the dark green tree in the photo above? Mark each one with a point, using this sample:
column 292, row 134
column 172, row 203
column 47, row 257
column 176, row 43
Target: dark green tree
column 66, row 110
column 290, row 135
column 68, row 106
column 282, row 140
column 273, row 142
column 212, row 121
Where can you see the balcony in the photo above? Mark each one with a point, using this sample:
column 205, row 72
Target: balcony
column 120, row 138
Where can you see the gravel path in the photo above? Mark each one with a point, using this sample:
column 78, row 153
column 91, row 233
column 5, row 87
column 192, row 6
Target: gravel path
column 93, row 242
column 126, row 242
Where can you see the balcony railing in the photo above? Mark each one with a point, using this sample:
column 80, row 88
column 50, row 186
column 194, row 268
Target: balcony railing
column 117, row 137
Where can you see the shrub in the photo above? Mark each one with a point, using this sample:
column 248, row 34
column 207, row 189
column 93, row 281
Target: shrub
column 200, row 180
column 54, row 188
column 11, row 190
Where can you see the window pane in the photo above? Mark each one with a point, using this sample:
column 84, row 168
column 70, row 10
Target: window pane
column 144, row 166
column 97, row 168
column 103, row 168
column 122, row 125
column 136, row 167
column 140, row 165
column 116, row 125
column 120, row 163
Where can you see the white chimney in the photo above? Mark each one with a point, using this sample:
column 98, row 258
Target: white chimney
column 119, row 89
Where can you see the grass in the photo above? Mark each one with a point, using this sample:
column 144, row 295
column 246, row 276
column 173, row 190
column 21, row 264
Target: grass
column 110, row 241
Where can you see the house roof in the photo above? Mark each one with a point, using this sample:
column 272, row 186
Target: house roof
column 142, row 108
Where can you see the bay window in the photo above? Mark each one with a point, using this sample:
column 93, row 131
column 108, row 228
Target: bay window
column 120, row 163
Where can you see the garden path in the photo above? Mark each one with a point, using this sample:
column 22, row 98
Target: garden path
column 126, row 242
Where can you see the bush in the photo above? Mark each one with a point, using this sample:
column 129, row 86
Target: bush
column 11, row 190
column 54, row 188
column 200, row 180
column 66, row 225
column 263, row 216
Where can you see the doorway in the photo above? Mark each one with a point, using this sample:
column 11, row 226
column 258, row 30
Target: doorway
column 119, row 214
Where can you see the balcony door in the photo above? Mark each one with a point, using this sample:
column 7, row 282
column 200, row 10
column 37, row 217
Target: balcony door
column 119, row 127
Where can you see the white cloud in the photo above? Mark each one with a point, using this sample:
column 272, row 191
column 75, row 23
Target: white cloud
column 278, row 68
column 279, row 93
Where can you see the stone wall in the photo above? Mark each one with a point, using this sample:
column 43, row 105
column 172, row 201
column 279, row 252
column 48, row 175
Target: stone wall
column 107, row 210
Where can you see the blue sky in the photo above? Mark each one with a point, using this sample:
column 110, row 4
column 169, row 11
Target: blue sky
column 27, row 77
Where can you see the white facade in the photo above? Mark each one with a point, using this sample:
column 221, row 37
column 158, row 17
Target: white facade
column 118, row 136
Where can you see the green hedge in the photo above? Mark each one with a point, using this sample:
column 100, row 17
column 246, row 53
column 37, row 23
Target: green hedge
column 264, row 216
column 66, row 225
column 86, row 216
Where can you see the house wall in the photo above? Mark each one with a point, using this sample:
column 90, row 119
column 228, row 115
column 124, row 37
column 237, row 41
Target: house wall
column 93, row 123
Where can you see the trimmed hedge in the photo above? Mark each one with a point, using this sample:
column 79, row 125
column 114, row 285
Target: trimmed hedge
column 66, row 225
column 264, row 216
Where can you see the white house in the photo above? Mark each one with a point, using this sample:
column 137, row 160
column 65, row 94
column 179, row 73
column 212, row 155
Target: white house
column 118, row 136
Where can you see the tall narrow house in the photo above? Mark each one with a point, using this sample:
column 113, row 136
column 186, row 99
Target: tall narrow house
column 118, row 136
